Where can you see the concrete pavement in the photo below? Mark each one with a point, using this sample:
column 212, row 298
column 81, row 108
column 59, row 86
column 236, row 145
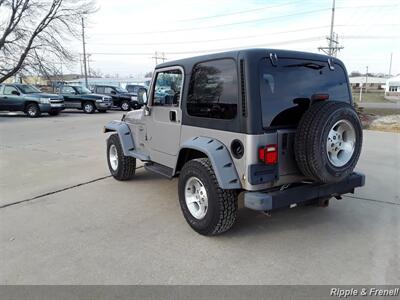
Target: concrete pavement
column 110, row 232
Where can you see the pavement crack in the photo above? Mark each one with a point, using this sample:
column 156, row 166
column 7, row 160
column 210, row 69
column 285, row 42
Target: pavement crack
column 54, row 192
column 58, row 191
column 373, row 200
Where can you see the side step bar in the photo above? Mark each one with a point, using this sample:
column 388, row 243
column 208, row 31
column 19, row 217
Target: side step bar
column 159, row 169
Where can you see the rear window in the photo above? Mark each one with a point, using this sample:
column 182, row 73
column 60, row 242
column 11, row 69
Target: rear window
column 286, row 89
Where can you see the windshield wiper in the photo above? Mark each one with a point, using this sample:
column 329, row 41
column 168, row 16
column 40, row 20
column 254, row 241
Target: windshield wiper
column 310, row 65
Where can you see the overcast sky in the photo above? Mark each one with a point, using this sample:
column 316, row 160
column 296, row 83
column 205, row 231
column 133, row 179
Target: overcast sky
column 124, row 34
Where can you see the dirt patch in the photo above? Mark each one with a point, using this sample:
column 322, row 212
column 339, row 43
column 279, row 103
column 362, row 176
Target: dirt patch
column 389, row 123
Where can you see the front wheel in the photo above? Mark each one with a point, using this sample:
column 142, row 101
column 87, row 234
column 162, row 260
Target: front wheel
column 121, row 167
column 125, row 106
column 207, row 208
column 33, row 110
column 88, row 107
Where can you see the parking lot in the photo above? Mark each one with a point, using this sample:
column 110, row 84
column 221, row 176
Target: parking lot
column 63, row 220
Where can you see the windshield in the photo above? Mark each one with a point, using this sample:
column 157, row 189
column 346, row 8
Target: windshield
column 28, row 89
column 286, row 90
column 82, row 90
column 121, row 90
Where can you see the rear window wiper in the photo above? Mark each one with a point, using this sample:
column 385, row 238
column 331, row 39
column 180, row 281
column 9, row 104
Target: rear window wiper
column 310, row 65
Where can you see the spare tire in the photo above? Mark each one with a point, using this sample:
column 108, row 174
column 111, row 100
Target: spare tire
column 328, row 141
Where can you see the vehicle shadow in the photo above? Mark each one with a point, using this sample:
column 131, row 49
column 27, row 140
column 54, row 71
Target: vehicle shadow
column 254, row 223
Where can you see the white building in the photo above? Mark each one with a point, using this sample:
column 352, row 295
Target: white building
column 392, row 89
column 373, row 83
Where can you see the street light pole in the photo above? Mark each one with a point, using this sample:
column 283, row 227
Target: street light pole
column 84, row 53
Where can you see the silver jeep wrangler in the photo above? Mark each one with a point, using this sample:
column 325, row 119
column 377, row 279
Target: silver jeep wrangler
column 275, row 127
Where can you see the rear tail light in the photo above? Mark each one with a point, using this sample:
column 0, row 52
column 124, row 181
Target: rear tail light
column 269, row 154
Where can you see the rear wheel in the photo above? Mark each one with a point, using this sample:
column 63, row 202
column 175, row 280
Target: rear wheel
column 207, row 208
column 88, row 107
column 328, row 141
column 33, row 110
column 121, row 167
column 125, row 106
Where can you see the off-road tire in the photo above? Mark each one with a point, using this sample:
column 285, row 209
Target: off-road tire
column 311, row 138
column 88, row 107
column 126, row 164
column 125, row 106
column 32, row 110
column 54, row 113
column 222, row 204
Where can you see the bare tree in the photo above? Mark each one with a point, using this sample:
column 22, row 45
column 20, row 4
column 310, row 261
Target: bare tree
column 34, row 33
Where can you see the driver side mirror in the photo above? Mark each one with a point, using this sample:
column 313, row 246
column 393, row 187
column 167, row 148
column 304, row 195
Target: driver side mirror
column 16, row 93
column 142, row 96
column 113, row 92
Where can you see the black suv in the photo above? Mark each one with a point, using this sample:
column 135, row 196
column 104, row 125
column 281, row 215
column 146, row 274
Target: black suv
column 82, row 98
column 29, row 99
column 121, row 97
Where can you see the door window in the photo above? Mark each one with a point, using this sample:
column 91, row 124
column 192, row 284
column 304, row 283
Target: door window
column 108, row 90
column 8, row 89
column 100, row 90
column 213, row 91
column 67, row 90
column 168, row 87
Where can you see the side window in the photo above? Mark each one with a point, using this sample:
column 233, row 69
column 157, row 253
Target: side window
column 167, row 89
column 100, row 89
column 108, row 90
column 67, row 90
column 8, row 89
column 213, row 91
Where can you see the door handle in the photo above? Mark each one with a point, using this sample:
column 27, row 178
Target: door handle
column 172, row 115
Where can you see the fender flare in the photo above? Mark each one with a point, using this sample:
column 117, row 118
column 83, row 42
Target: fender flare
column 220, row 158
column 124, row 134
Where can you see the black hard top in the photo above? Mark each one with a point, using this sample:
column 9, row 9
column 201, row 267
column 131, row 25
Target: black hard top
column 249, row 54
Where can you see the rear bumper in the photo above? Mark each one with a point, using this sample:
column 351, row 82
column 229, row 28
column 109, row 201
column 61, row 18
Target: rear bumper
column 298, row 194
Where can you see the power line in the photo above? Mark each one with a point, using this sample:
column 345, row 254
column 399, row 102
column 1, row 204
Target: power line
column 239, row 23
column 310, row 39
column 242, row 37
column 211, row 40
column 240, row 12
column 218, row 25
column 317, row 38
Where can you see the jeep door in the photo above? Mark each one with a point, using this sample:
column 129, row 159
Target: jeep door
column 164, row 122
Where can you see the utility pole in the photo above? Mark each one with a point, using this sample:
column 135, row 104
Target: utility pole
column 84, row 52
column 88, row 63
column 390, row 65
column 333, row 39
column 158, row 56
column 366, row 81
column 331, row 35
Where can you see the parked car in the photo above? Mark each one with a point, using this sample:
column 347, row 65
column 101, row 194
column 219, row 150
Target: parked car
column 276, row 127
column 29, row 99
column 121, row 98
column 82, row 98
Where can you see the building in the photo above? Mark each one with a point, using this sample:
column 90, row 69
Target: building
column 392, row 89
column 373, row 83
column 121, row 82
